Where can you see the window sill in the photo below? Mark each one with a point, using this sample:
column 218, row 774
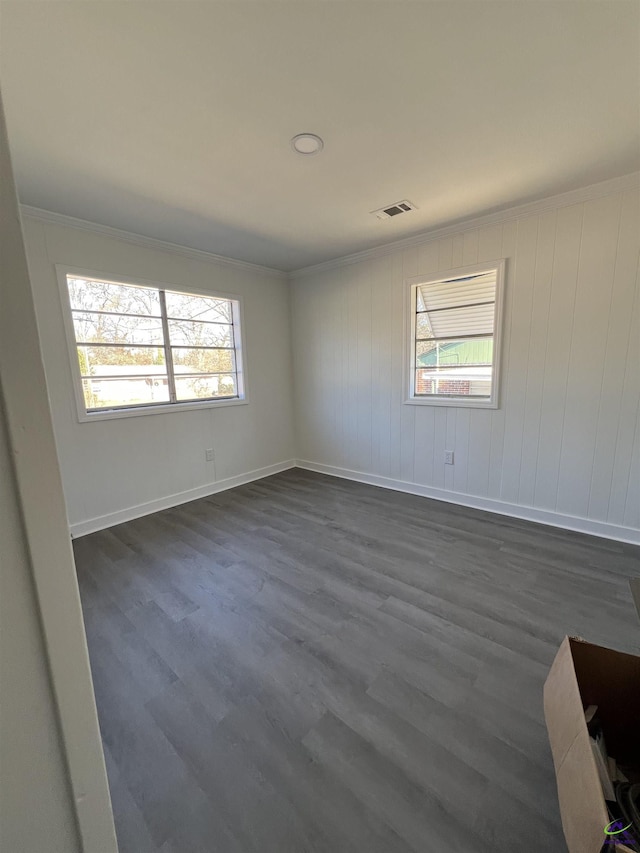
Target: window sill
column 111, row 414
column 453, row 402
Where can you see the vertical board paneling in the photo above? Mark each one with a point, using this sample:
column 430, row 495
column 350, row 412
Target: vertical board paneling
column 382, row 356
column 518, row 356
column 364, row 388
column 450, row 444
column 461, row 444
column 322, row 350
column 536, row 359
column 496, row 451
column 428, row 259
column 470, row 248
column 304, row 389
column 593, row 298
column 396, row 321
column 632, row 503
column 626, row 427
column 345, row 396
column 445, row 253
column 457, row 251
column 424, row 441
column 439, row 445
column 490, row 243
column 408, row 413
column 619, row 342
column 351, row 444
column 556, row 366
column 338, row 367
column 479, row 453
column 564, row 437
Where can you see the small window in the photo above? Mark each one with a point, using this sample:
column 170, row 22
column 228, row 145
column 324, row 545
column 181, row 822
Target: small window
column 455, row 337
column 139, row 347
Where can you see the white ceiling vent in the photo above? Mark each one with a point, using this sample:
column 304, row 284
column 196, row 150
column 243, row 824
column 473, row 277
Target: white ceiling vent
column 396, row 209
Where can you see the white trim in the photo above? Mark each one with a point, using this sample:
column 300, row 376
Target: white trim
column 146, row 242
column 526, row 513
column 411, row 284
column 84, row 416
column 91, row 525
column 96, row 415
column 604, row 188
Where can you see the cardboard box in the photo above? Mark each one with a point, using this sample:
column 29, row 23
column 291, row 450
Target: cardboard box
column 581, row 675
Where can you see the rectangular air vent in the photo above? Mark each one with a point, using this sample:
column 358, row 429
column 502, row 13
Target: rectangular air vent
column 396, row 209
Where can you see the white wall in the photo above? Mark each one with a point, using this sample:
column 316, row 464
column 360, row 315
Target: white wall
column 564, row 445
column 53, row 783
column 114, row 469
column 36, row 805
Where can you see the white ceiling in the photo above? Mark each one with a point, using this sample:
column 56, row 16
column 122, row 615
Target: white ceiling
column 173, row 119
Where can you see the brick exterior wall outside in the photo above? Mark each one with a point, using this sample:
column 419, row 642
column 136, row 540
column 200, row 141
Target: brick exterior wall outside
column 457, row 387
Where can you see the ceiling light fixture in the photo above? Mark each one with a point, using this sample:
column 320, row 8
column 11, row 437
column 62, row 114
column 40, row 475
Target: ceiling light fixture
column 307, row 143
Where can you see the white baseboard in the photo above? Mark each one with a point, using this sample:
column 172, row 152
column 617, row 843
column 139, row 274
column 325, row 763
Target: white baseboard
column 527, row 513
column 91, row 525
column 541, row 516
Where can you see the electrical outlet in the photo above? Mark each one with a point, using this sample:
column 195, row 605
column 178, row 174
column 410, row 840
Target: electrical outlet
column 448, row 457
column 208, row 454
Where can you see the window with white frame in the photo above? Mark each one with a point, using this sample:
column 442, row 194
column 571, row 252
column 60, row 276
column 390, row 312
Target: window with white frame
column 136, row 347
column 455, row 337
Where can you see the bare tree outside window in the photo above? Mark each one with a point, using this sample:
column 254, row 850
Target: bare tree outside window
column 140, row 345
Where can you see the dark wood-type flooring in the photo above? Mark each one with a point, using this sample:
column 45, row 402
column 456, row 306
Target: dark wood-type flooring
column 309, row 664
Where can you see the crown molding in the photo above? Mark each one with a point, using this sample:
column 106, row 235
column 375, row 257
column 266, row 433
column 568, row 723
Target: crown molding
column 146, row 242
column 578, row 196
column 599, row 190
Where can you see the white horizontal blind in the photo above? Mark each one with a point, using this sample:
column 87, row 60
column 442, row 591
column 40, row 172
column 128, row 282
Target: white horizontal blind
column 144, row 346
column 454, row 324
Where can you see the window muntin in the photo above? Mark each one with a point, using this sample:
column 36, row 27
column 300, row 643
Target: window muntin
column 141, row 346
column 455, row 326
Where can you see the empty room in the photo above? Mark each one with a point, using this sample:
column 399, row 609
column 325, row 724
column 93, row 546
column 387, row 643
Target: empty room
column 319, row 444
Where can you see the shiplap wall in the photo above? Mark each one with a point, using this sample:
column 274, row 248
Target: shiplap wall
column 564, row 440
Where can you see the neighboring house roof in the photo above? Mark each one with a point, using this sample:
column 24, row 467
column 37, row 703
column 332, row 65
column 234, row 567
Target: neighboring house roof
column 458, row 352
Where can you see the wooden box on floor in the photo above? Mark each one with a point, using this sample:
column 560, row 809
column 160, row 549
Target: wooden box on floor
column 581, row 675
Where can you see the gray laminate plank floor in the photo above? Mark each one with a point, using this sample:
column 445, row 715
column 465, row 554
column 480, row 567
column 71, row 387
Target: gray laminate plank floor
column 310, row 665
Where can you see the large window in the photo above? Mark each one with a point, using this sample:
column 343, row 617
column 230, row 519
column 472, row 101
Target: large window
column 137, row 347
column 455, row 337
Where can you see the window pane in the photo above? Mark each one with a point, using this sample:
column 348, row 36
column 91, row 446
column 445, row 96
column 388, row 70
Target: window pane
column 205, row 387
column 111, row 393
column 476, row 351
column 183, row 306
column 202, row 360
column 120, row 361
column 194, row 334
column 116, row 329
column 89, row 295
column 454, row 381
column 459, row 322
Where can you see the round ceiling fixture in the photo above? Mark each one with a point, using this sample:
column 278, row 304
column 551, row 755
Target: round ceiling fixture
column 307, row 143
